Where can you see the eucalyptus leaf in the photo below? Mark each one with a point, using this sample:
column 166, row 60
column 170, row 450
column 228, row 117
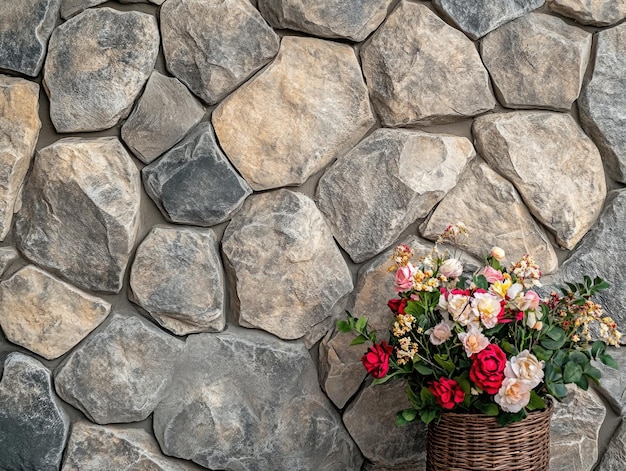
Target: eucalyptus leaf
column 598, row 348
column 572, row 372
column 608, row 360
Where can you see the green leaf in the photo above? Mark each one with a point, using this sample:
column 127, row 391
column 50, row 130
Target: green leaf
column 444, row 362
column 572, row 372
column 490, row 409
column 560, row 357
column 427, row 416
column 422, row 369
column 358, row 340
column 542, row 353
column 494, row 330
column 506, row 419
column 592, row 371
column 536, row 401
column 557, row 390
column 582, row 383
column 508, row 348
column 608, row 360
column 578, row 357
column 481, row 282
column 343, row 326
column 427, row 397
column 409, row 414
column 556, row 333
column 361, row 323
column 412, row 307
column 400, row 421
column 552, row 344
column 553, row 372
column 386, row 378
column 598, row 348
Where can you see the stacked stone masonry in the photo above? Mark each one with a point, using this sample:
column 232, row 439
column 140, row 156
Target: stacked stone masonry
column 192, row 192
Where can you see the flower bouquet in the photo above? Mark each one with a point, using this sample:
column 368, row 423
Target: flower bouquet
column 486, row 343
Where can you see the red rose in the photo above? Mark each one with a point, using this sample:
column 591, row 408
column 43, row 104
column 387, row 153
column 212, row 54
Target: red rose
column 447, row 392
column 487, row 370
column 503, row 316
column 397, row 305
column 376, row 360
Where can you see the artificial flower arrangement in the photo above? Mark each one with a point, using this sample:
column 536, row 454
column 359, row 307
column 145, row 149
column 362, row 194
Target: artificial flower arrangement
column 486, row 344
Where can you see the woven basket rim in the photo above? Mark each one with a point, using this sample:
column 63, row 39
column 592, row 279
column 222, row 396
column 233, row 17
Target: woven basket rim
column 474, row 415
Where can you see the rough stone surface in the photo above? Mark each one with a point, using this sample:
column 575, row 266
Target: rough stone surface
column 351, row 19
column 340, row 367
column 391, row 178
column 615, row 455
column 537, row 61
column 307, row 108
column 33, row 424
column 378, row 405
column 97, row 64
column 590, row 12
column 120, row 373
column 486, row 196
column 613, row 382
column 163, row 115
column 255, row 405
column 284, row 265
column 45, row 315
column 213, row 46
column 407, row 67
column 602, row 102
column 19, row 130
column 25, row 27
column 477, row 17
column 574, row 431
column 95, row 448
column 70, row 8
column 596, row 256
column 7, row 256
column 194, row 183
column 555, row 167
column 177, row 277
column 80, row 212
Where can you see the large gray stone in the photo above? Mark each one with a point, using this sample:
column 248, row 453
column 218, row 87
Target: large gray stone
column 388, row 446
column 613, row 381
column 245, row 400
column 306, row 109
column 555, row 167
column 70, row 8
column 80, row 212
column 340, row 367
column 213, row 46
column 590, row 12
column 97, row 64
column 33, row 424
column 177, row 277
column 283, row 264
column 163, row 115
column 602, row 103
column 574, row 431
column 8, row 255
column 477, row 17
column 537, row 61
column 615, row 454
column 480, row 200
column 421, row 71
column 96, row 448
column 350, row 19
column 194, row 183
column 25, row 27
column 390, row 179
column 599, row 254
column 45, row 315
column 19, row 131
column 120, row 373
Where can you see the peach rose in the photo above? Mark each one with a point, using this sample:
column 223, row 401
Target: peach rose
column 513, row 395
column 473, row 341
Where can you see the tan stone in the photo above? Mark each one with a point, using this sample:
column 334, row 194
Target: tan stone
column 419, row 70
column 495, row 215
column 590, row 12
column 46, row 315
column 19, row 130
column 307, row 108
column 555, row 167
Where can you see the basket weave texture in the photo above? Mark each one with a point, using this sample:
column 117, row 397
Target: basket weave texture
column 474, row 442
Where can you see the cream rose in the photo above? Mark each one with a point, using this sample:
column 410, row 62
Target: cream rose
column 441, row 332
column 513, row 395
column 473, row 341
column 525, row 367
column 497, row 253
column 488, row 307
column 451, row 268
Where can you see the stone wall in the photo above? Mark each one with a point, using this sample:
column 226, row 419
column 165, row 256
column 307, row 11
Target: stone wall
column 193, row 191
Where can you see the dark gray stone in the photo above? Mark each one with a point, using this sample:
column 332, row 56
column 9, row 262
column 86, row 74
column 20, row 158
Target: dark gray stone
column 615, row 454
column 477, row 17
column 25, row 27
column 7, row 256
column 213, row 46
column 164, row 114
column 80, row 212
column 285, row 268
column 70, row 8
column 194, row 183
column 602, row 103
column 245, row 400
column 120, row 373
column 590, row 12
column 97, row 64
column 33, row 424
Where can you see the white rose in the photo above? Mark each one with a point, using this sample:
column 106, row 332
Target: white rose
column 514, row 394
column 451, row 268
column 441, row 332
column 525, row 367
column 487, row 306
column 461, row 310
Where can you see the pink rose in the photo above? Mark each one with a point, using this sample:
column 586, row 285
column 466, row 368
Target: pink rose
column 404, row 278
column 492, row 274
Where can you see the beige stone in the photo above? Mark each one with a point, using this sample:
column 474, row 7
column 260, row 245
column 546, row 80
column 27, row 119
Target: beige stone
column 495, row 215
column 306, row 109
column 555, row 167
column 19, row 131
column 590, row 12
column 45, row 315
column 420, row 71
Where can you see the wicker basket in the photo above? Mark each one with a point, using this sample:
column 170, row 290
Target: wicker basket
column 474, row 442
